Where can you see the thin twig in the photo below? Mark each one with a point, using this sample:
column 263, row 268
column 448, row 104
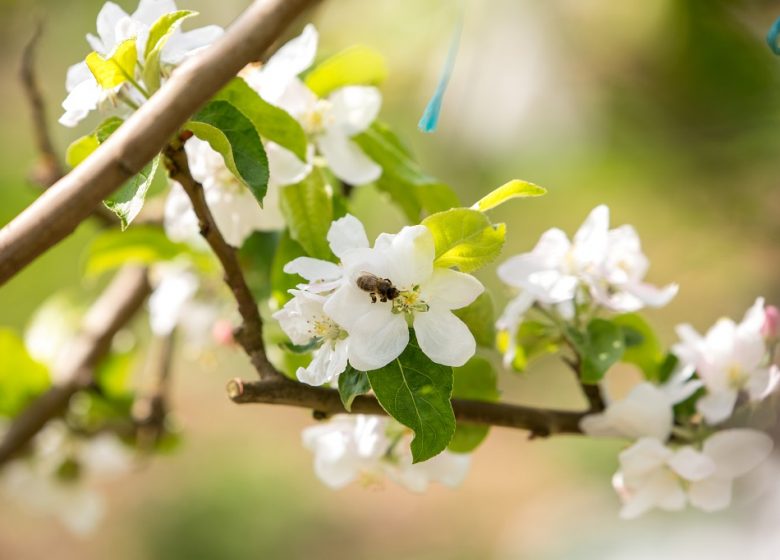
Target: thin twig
column 59, row 210
column 113, row 309
column 151, row 410
column 325, row 402
column 250, row 334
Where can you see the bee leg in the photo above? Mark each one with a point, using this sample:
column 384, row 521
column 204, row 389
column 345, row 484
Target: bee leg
column 383, row 299
column 373, row 297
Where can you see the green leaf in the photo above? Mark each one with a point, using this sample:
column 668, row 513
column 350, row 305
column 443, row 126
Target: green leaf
column 357, row 65
column 281, row 282
column 21, row 377
column 308, row 210
column 143, row 245
column 107, row 128
column 113, row 375
column 271, row 122
column 117, row 69
column 477, row 380
column 402, row 179
column 80, row 149
column 128, row 201
column 351, row 384
column 507, row 191
column 643, row 349
column 533, row 339
column 229, row 132
column 416, row 392
column 465, row 238
column 480, row 318
column 599, row 348
column 160, row 32
column 256, row 255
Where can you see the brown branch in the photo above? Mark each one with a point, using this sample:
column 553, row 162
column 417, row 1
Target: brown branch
column 113, row 309
column 59, row 210
column 592, row 392
column 325, row 402
column 250, row 334
column 150, row 411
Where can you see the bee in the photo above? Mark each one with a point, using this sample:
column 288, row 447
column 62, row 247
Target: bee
column 377, row 287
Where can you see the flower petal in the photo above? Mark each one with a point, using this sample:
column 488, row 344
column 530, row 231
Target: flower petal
column 348, row 305
column 450, row 289
column 717, row 407
column 444, row 338
column 313, row 269
column 291, row 59
column 691, row 464
column 345, row 158
column 284, row 166
column 188, row 43
column 737, row 452
column 355, row 108
column 345, row 234
column 379, row 338
column 410, row 257
column 710, row 494
column 646, row 455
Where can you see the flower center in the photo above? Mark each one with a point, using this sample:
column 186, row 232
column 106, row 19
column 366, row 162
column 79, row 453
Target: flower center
column 324, row 328
column 409, row 301
column 736, row 376
column 319, row 118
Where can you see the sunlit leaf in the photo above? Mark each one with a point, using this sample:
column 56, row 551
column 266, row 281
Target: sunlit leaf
column 465, row 239
column 116, row 69
column 508, row 191
column 480, row 318
column 308, row 211
column 160, row 32
column 357, row 65
column 21, row 377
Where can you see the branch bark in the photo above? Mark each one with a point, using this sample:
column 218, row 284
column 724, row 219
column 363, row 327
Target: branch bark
column 57, row 212
column 113, row 309
column 325, row 402
column 250, row 334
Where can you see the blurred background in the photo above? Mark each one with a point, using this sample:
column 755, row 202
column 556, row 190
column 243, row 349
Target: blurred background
column 666, row 110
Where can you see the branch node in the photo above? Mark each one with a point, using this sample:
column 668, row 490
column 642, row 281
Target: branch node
column 235, row 388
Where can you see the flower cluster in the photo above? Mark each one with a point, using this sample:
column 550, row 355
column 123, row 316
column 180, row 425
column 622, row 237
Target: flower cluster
column 348, row 448
column 360, row 310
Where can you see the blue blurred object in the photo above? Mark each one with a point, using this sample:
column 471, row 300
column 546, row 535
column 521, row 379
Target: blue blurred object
column 771, row 37
column 430, row 117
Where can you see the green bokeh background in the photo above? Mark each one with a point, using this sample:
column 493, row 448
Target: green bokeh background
column 666, row 110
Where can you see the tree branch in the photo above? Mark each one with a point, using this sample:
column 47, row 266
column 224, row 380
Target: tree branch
column 250, row 334
column 151, row 411
column 325, row 402
column 113, row 309
column 57, row 212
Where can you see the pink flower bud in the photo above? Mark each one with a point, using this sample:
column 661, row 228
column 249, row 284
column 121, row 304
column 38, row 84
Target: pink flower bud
column 222, row 332
column 771, row 322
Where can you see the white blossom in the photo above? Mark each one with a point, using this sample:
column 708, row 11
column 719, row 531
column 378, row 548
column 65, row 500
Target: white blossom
column 645, row 412
column 730, row 358
column 56, row 479
column 653, row 475
column 426, row 297
column 348, row 448
column 304, row 321
column 114, row 26
column 600, row 265
column 51, row 331
column 330, row 123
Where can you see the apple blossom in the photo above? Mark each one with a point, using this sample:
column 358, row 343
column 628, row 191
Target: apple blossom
column 645, row 412
column 771, row 326
column 114, row 26
column 349, row 447
column 330, row 123
column 600, row 265
column 654, row 475
column 304, row 321
column 730, row 358
column 51, row 331
column 379, row 330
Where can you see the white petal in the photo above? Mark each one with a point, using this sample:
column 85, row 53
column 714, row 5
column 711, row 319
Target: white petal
column 444, row 338
column 646, row 455
column 651, row 295
column 450, row 289
column 348, row 305
column 378, row 339
column 182, row 45
column 326, row 364
column 149, row 11
column 82, row 99
column 313, row 269
column 691, row 464
column 291, row 59
column 355, row 108
column 345, row 234
column 169, row 298
column 737, row 452
column 646, row 411
column 345, row 158
column 590, row 241
column 77, row 73
column 711, row 494
column 410, row 257
column 179, row 219
column 236, row 213
column 598, row 425
column 284, row 166
column 717, row 407
column 661, row 489
column 108, row 18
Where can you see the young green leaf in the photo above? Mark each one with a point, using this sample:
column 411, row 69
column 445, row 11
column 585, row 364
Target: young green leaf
column 271, row 122
column 643, row 349
column 256, row 256
column 357, row 65
column 160, row 32
column 128, row 201
column 599, row 348
column 480, row 318
column 402, row 179
column 507, row 191
column 229, row 132
column 465, row 238
column 416, row 392
column 533, row 339
column 351, row 384
column 142, row 245
column 308, row 211
column 21, row 377
column 80, row 149
column 477, row 380
column 107, row 128
column 116, row 69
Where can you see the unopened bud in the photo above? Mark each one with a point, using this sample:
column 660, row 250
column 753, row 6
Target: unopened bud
column 222, row 332
column 771, row 326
